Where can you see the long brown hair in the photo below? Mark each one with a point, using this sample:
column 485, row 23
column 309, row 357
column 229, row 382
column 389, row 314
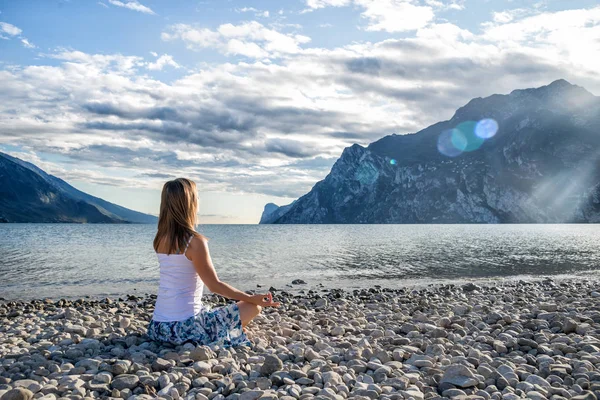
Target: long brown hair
column 178, row 214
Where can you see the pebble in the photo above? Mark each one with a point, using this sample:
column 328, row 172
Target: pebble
column 505, row 340
column 124, row 323
column 125, row 382
column 202, row 353
column 271, row 364
column 459, row 376
column 17, row 394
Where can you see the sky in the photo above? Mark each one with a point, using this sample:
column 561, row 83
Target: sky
column 255, row 100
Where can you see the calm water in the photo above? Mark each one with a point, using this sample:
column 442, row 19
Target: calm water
column 56, row 260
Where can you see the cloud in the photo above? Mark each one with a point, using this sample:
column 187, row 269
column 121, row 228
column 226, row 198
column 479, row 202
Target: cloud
column 394, row 15
column 27, row 44
column 9, row 29
column 275, row 128
column 132, row 5
column 364, row 65
column 13, row 31
column 246, row 9
column 456, row 5
column 291, row 148
column 162, row 62
column 570, row 36
column 384, row 15
column 316, row 4
column 503, row 17
column 258, row 13
column 250, row 39
column 100, row 62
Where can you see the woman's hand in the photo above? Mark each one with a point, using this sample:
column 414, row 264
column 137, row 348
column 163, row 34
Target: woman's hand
column 264, row 300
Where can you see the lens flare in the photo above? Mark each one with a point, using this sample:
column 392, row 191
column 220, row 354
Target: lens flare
column 446, row 145
column 486, row 128
column 393, row 161
column 467, row 129
column 459, row 140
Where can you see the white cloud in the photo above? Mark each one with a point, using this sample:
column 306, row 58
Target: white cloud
column 9, row 29
column 116, row 63
column 258, row 13
column 153, row 53
column 27, row 44
column 455, row 5
column 195, row 38
column 250, row 39
column 315, row 4
column 384, row 15
column 246, row 9
column 132, row 5
column 503, row 17
column 162, row 62
column 565, row 37
column 13, row 31
column 102, row 4
column 395, row 15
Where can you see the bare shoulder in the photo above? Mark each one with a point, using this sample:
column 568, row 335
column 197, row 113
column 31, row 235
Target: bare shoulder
column 199, row 243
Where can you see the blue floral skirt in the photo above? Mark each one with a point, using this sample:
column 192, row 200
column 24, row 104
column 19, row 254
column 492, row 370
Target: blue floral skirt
column 221, row 326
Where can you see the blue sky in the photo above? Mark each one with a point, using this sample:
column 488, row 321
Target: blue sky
column 255, row 100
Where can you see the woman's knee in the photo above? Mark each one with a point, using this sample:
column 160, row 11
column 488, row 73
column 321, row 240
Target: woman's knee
column 255, row 309
column 248, row 311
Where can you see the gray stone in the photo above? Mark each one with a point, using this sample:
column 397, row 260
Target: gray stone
column 251, row 395
column 125, row 381
column 160, row 364
column 18, row 394
column 459, row 375
column 270, row 365
column 202, row 353
column 538, row 380
column 124, row 323
column 332, row 378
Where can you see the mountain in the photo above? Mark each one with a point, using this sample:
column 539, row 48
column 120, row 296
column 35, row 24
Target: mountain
column 28, row 194
column 531, row 156
column 272, row 212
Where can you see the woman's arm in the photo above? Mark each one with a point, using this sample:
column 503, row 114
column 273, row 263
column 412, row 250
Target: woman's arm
column 200, row 256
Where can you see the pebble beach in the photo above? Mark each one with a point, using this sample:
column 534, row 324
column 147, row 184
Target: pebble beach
column 534, row 339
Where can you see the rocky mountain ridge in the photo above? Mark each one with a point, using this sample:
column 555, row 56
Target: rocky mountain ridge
column 541, row 166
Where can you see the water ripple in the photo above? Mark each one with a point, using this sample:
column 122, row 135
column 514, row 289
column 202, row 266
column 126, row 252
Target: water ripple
column 40, row 260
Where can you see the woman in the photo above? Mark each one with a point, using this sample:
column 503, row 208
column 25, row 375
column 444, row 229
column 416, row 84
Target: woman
column 185, row 267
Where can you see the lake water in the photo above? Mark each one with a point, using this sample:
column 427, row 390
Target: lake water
column 68, row 260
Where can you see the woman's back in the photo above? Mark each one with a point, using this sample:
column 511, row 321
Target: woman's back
column 180, row 288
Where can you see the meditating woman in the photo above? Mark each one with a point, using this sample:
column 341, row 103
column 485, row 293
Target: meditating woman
column 185, row 267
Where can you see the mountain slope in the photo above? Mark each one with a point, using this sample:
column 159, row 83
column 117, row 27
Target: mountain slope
column 273, row 212
column 542, row 165
column 28, row 194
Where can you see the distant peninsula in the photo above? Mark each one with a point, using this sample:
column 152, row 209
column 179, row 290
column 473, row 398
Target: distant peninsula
column 28, row 194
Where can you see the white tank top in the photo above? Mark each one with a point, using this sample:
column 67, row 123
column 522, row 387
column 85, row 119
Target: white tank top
column 180, row 288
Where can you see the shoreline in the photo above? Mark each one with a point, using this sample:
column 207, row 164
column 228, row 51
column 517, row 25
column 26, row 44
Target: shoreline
column 296, row 289
column 535, row 339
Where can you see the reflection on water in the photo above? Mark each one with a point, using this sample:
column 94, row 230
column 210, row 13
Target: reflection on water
column 52, row 260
